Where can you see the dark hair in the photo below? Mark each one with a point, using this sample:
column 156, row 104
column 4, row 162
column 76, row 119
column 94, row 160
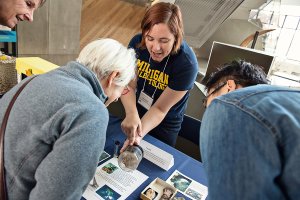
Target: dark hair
column 244, row 73
column 166, row 13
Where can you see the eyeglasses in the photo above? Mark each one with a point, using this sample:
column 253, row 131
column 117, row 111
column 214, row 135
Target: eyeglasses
column 126, row 90
column 204, row 102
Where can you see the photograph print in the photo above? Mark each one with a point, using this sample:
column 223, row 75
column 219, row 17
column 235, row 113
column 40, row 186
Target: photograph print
column 107, row 193
column 180, row 182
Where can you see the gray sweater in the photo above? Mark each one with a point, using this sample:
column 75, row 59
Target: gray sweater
column 55, row 134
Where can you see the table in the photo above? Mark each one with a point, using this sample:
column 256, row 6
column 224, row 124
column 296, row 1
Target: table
column 183, row 163
column 33, row 65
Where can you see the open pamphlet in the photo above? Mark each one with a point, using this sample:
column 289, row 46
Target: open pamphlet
column 157, row 156
column 111, row 182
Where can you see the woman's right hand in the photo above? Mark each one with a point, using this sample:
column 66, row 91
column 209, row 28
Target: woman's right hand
column 132, row 127
column 137, row 141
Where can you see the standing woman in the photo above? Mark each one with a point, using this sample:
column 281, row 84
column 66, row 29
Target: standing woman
column 13, row 11
column 167, row 69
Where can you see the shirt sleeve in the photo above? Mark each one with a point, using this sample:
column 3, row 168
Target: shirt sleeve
column 184, row 71
column 66, row 171
column 135, row 41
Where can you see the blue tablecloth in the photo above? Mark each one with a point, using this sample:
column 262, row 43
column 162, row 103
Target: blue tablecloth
column 183, row 163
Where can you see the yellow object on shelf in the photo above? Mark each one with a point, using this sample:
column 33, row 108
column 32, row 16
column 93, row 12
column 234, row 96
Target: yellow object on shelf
column 33, row 65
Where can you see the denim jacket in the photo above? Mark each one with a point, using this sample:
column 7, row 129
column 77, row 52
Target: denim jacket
column 250, row 144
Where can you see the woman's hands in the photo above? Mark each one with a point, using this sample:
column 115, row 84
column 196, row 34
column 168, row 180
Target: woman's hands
column 137, row 141
column 132, row 127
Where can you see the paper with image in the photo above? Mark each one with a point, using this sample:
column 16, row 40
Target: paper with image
column 188, row 186
column 111, row 182
column 103, row 157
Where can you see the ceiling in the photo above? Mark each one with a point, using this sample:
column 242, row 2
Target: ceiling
column 242, row 12
column 291, row 2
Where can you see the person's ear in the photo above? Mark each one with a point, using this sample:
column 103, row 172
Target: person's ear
column 111, row 78
column 231, row 86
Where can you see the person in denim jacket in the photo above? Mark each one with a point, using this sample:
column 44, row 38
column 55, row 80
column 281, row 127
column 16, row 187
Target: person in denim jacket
column 250, row 136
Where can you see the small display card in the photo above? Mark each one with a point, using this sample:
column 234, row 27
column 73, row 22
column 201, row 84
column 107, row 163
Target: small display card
column 157, row 156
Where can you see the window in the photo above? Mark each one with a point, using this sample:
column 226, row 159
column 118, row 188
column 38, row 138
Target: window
column 286, row 18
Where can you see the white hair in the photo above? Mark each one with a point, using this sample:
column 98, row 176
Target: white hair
column 103, row 56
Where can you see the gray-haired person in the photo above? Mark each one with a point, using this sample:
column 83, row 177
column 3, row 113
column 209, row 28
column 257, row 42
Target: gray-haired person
column 13, row 11
column 57, row 127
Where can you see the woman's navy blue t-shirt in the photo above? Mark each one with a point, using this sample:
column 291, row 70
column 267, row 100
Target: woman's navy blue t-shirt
column 180, row 73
